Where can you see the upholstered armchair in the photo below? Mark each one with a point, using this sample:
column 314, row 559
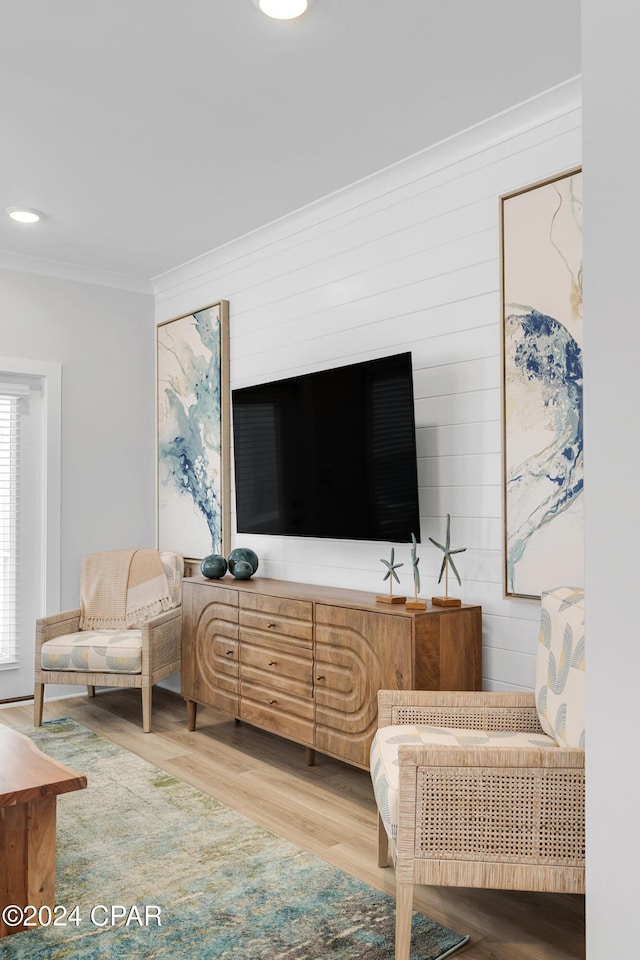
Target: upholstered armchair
column 133, row 657
column 487, row 789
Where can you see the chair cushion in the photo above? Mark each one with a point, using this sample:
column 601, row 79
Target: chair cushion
column 94, row 651
column 560, row 666
column 385, row 772
column 174, row 568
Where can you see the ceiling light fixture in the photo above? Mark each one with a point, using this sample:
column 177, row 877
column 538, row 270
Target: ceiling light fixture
column 23, row 214
column 283, row 9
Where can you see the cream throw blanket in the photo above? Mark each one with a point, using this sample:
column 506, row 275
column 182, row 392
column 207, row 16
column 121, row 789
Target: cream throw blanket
column 121, row 589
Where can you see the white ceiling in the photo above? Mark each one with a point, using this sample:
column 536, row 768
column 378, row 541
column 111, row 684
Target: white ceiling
column 151, row 131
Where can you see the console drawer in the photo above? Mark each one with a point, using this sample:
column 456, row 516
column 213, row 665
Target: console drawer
column 276, row 616
column 277, row 683
column 277, row 660
column 286, row 607
column 277, row 711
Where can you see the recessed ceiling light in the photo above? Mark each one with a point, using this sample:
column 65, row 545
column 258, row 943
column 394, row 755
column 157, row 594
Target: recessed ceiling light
column 23, row 214
column 283, row 9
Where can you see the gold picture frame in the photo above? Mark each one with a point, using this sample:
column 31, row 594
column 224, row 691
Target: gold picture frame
column 193, row 433
column 542, row 385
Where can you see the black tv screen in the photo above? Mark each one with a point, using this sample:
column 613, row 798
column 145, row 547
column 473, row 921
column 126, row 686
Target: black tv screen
column 329, row 454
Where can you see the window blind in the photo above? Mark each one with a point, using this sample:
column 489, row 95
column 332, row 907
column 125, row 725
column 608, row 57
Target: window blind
column 13, row 401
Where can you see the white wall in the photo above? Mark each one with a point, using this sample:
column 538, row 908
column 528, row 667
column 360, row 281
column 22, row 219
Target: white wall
column 612, row 407
column 405, row 260
column 104, row 340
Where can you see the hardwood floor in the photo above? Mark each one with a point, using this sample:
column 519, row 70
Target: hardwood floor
column 327, row 809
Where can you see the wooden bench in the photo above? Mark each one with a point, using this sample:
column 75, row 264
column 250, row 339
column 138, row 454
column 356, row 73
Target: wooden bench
column 30, row 781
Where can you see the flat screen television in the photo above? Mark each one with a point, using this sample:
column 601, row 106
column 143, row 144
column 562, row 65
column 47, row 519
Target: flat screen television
column 329, row 454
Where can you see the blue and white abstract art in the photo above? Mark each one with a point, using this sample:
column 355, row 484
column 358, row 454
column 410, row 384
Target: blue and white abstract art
column 543, row 387
column 193, row 433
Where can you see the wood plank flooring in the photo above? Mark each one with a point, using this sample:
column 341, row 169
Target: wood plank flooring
column 328, row 809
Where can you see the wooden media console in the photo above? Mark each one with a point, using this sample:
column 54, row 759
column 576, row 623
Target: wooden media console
column 306, row 662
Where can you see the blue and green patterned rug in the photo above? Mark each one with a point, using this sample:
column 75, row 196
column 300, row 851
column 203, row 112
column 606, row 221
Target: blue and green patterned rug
column 222, row 887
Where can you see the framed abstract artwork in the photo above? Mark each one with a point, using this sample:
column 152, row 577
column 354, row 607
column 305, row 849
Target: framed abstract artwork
column 192, row 363
column 542, row 385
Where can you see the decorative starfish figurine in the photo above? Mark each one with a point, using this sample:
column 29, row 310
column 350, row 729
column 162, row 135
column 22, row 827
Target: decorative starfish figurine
column 448, row 558
column 391, row 574
column 415, row 604
column 415, row 560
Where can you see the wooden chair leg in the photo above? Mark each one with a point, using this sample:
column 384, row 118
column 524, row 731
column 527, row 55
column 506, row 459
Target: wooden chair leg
column 404, row 909
column 38, row 700
column 383, row 844
column 91, row 690
column 146, row 709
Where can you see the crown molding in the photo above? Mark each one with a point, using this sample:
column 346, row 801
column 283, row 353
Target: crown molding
column 71, row 271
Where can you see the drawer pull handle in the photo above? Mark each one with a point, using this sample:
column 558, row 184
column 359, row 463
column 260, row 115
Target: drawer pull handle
column 229, row 653
column 320, row 677
column 271, row 626
column 272, row 663
column 272, row 701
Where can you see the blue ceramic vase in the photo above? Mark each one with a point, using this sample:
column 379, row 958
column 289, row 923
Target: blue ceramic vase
column 214, row 566
column 243, row 563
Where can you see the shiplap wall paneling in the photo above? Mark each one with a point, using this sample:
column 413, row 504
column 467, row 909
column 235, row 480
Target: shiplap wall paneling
column 405, row 260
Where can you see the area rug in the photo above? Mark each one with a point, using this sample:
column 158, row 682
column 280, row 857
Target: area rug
column 220, row 886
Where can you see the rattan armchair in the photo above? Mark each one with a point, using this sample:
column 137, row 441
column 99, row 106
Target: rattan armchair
column 157, row 643
column 483, row 789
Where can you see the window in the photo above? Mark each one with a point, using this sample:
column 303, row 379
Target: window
column 30, row 418
column 13, row 400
